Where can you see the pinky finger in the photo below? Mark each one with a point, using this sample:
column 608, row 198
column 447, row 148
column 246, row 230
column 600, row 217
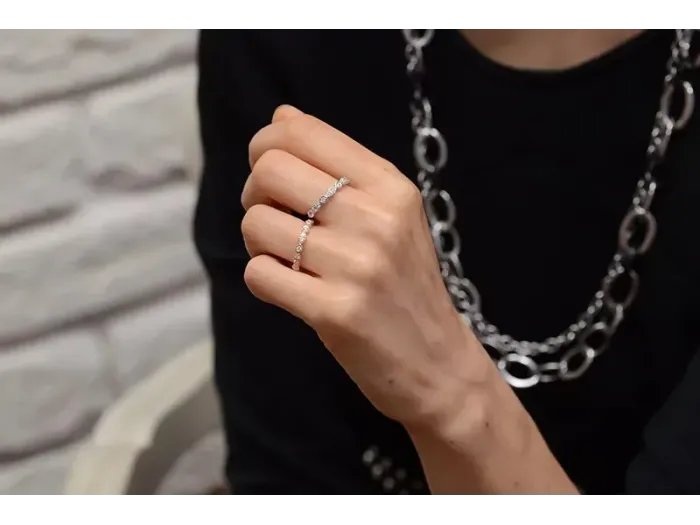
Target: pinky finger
column 273, row 282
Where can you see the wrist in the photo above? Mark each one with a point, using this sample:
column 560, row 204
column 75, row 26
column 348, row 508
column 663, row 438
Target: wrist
column 458, row 401
column 476, row 437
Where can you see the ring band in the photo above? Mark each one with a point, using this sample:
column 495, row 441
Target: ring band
column 308, row 223
column 296, row 261
column 342, row 181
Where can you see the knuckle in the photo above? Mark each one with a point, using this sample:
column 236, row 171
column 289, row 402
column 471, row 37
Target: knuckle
column 346, row 310
column 388, row 229
column 255, row 145
column 252, row 275
column 251, row 219
column 268, row 162
column 298, row 128
column 408, row 196
column 388, row 166
column 391, row 225
column 370, row 265
column 247, row 189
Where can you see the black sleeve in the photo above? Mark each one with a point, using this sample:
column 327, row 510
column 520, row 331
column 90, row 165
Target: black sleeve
column 286, row 403
column 669, row 462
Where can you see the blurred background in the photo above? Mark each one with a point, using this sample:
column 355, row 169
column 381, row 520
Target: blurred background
column 99, row 281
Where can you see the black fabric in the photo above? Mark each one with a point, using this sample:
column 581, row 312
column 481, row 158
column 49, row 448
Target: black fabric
column 542, row 166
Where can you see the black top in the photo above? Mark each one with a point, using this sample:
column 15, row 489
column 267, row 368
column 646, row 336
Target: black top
column 542, row 166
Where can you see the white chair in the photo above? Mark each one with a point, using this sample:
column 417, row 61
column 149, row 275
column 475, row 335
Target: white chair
column 138, row 440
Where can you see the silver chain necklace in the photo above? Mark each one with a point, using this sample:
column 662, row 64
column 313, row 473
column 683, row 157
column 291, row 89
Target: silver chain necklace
column 568, row 355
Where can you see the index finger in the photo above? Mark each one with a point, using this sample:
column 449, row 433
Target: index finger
column 325, row 148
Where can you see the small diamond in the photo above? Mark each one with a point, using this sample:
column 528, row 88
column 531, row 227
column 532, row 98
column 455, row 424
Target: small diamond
column 324, row 199
column 299, row 248
column 302, row 237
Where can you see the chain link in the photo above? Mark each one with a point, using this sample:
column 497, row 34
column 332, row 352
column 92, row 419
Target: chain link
column 521, row 362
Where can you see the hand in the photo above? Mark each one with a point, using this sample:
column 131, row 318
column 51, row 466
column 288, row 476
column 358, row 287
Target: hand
column 370, row 286
column 370, row 283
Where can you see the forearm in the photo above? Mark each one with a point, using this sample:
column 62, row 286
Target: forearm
column 487, row 444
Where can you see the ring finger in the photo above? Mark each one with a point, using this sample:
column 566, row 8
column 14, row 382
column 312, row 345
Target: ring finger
column 267, row 230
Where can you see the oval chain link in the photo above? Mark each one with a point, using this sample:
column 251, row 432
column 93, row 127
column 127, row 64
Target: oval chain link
column 521, row 362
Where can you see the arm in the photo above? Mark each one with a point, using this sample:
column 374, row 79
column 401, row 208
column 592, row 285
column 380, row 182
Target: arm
column 500, row 450
column 488, row 445
column 284, row 399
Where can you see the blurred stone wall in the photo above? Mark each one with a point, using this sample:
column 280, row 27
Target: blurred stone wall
column 99, row 282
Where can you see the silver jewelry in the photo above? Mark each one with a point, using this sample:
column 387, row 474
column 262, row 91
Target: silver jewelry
column 296, row 261
column 587, row 338
column 342, row 181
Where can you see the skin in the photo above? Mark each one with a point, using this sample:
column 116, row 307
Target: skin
column 385, row 316
column 546, row 49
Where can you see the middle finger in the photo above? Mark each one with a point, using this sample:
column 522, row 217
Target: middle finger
column 281, row 178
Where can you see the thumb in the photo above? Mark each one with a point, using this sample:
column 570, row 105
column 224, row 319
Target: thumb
column 285, row 112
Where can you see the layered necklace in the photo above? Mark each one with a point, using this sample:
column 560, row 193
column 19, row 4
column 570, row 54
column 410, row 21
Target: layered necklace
column 568, row 355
